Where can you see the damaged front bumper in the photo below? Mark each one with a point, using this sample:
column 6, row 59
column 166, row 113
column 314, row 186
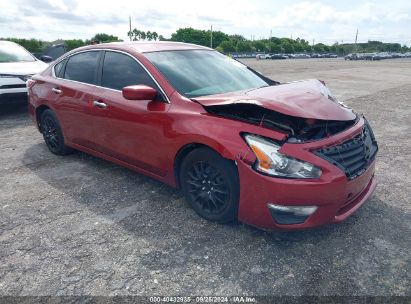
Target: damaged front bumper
column 334, row 195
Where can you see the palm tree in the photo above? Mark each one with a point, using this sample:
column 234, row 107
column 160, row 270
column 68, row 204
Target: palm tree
column 141, row 35
column 136, row 34
column 154, row 35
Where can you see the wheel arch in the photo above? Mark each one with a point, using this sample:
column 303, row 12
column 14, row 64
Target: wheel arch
column 39, row 111
column 187, row 148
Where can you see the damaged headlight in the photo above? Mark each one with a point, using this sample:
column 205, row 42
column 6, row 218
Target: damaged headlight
column 272, row 162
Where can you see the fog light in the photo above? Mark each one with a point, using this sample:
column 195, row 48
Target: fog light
column 287, row 215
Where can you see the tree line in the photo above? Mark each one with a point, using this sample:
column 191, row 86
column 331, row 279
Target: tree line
column 37, row 46
column 226, row 43
column 239, row 44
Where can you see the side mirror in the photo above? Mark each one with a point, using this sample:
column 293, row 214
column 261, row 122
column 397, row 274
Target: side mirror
column 46, row 59
column 139, row 92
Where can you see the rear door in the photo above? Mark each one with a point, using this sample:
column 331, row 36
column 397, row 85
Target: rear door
column 129, row 130
column 73, row 91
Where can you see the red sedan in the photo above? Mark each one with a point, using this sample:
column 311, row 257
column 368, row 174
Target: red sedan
column 238, row 144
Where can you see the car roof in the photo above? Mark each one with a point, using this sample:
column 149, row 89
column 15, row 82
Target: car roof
column 151, row 46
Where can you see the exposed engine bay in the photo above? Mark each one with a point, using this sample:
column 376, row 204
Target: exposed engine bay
column 298, row 129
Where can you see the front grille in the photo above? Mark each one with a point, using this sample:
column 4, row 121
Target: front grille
column 354, row 155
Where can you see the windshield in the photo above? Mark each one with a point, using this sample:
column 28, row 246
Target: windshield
column 197, row 72
column 10, row 52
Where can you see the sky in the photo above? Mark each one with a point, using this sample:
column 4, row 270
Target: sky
column 318, row 21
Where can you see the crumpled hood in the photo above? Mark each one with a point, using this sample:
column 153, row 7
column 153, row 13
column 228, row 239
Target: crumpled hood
column 306, row 99
column 22, row 68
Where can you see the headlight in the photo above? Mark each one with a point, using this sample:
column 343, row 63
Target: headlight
column 272, row 162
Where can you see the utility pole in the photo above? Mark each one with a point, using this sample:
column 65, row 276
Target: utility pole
column 271, row 34
column 129, row 21
column 211, row 38
column 356, row 37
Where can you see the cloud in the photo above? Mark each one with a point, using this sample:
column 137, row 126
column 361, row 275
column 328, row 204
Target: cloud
column 324, row 21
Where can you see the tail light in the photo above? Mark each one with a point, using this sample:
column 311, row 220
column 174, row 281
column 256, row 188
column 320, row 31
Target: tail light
column 30, row 84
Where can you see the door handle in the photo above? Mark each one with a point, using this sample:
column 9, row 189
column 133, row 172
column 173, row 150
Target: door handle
column 56, row 90
column 99, row 104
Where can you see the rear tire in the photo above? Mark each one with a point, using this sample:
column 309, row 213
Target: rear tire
column 210, row 185
column 52, row 133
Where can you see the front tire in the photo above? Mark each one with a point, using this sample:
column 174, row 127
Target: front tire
column 52, row 133
column 210, row 185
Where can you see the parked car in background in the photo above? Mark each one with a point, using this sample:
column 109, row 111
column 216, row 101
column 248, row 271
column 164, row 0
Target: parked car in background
column 263, row 56
column 17, row 65
column 351, row 56
column 278, row 56
column 238, row 144
column 385, row 55
column 395, row 55
column 53, row 52
column 376, row 56
column 324, row 55
column 301, row 56
column 371, row 56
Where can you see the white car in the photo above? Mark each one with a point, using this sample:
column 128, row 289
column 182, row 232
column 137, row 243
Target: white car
column 16, row 66
column 263, row 56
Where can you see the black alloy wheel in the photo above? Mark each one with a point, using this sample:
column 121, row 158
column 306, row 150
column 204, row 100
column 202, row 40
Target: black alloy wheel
column 210, row 185
column 52, row 133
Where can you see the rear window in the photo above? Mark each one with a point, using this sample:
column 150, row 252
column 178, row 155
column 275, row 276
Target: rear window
column 83, row 67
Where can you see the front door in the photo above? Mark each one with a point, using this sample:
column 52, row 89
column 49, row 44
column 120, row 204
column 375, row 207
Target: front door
column 129, row 130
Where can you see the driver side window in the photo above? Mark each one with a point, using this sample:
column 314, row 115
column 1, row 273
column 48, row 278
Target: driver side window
column 120, row 70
